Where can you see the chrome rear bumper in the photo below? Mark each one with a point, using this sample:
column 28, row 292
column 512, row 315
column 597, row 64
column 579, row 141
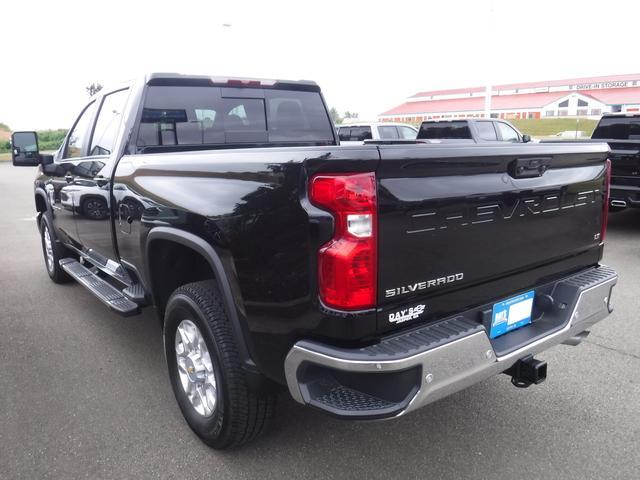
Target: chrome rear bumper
column 410, row 370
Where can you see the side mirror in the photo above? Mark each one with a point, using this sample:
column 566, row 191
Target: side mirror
column 526, row 138
column 24, row 149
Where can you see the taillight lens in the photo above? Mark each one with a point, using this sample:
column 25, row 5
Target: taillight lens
column 605, row 199
column 347, row 264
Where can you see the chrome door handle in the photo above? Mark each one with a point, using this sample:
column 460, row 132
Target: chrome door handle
column 100, row 180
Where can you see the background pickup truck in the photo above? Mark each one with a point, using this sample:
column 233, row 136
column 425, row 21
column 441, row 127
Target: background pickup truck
column 622, row 133
column 368, row 280
column 470, row 131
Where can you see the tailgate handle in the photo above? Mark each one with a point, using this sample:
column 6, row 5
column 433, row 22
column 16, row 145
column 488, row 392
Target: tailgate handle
column 529, row 167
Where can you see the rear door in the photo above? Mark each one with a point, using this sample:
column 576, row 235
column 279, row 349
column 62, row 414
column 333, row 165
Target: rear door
column 458, row 226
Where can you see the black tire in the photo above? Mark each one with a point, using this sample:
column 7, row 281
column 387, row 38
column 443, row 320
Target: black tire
column 240, row 413
column 55, row 271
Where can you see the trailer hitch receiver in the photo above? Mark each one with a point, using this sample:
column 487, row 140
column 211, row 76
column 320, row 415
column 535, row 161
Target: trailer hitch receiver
column 527, row 371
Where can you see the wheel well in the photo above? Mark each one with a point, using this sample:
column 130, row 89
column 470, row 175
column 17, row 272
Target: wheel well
column 172, row 265
column 41, row 204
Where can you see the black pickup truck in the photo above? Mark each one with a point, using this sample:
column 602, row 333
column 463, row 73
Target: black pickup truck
column 622, row 133
column 366, row 280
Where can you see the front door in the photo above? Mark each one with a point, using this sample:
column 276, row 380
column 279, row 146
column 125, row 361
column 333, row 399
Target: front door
column 61, row 185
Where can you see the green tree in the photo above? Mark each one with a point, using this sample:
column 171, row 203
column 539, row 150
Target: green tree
column 93, row 89
column 335, row 116
column 51, row 139
column 349, row 114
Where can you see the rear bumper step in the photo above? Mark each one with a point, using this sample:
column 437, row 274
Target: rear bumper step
column 404, row 372
column 104, row 291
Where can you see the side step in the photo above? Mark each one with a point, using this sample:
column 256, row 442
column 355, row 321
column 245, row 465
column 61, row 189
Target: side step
column 136, row 294
column 106, row 293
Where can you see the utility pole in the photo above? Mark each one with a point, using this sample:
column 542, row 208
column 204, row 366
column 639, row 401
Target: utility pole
column 487, row 102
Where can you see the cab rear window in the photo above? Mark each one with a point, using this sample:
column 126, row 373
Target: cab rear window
column 194, row 115
column 618, row 128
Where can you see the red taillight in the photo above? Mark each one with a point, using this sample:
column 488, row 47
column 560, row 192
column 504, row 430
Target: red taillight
column 347, row 263
column 605, row 200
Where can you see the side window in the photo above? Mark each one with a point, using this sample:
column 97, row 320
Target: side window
column 388, row 132
column 407, row 133
column 109, row 118
column 486, row 131
column 80, row 133
column 88, row 169
column 508, row 134
column 360, row 134
column 344, row 133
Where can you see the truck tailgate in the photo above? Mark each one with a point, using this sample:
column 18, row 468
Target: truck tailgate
column 460, row 226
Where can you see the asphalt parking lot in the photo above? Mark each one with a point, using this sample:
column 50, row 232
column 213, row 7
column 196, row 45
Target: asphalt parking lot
column 83, row 393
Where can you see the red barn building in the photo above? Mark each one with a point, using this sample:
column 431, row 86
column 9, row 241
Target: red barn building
column 576, row 97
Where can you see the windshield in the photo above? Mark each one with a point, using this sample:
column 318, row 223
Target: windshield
column 195, row 116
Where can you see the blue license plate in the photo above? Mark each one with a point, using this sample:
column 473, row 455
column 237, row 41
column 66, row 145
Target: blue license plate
column 515, row 312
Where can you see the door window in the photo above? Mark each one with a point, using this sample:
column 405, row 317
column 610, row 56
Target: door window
column 486, row 131
column 106, row 131
column 344, row 134
column 79, row 135
column 407, row 133
column 354, row 134
column 507, row 133
column 360, row 134
column 444, row 130
column 388, row 132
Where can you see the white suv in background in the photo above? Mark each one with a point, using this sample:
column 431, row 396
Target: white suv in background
column 357, row 133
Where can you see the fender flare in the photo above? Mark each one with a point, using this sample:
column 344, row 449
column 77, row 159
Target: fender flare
column 39, row 192
column 202, row 247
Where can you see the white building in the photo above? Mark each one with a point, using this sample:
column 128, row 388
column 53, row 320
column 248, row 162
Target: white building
column 578, row 97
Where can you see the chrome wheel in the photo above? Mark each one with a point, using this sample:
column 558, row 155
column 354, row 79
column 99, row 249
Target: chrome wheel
column 195, row 369
column 48, row 248
column 95, row 209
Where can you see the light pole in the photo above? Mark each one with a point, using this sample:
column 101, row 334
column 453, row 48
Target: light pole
column 487, row 91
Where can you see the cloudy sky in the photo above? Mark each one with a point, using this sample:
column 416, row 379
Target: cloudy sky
column 367, row 56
